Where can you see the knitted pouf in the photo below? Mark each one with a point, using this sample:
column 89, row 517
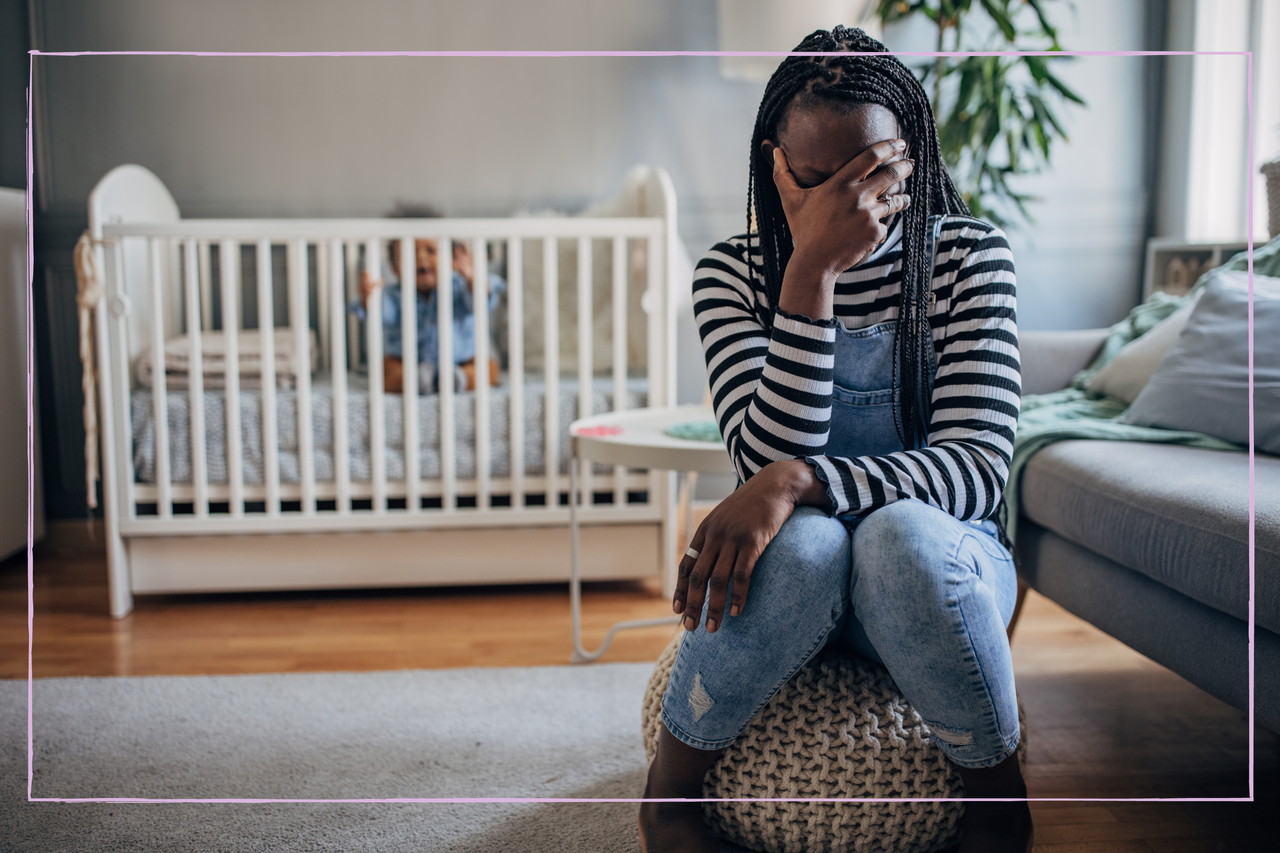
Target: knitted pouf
column 839, row 728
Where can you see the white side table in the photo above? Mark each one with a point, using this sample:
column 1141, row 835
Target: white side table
column 636, row 438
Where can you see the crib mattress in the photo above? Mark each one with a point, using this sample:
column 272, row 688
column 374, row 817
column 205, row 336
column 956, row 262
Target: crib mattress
column 250, row 402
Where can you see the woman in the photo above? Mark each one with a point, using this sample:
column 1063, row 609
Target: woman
column 862, row 351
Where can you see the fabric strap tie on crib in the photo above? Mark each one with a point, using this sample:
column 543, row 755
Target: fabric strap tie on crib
column 89, row 292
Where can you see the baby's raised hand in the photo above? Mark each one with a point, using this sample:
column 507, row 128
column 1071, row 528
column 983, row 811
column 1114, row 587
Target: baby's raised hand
column 462, row 261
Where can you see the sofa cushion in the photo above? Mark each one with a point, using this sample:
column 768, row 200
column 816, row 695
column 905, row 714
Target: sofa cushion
column 1129, row 370
column 1178, row 515
column 1200, row 643
column 1202, row 383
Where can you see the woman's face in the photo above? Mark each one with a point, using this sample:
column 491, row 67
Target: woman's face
column 819, row 140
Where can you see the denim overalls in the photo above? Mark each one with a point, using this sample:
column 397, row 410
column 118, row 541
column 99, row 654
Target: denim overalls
column 862, row 401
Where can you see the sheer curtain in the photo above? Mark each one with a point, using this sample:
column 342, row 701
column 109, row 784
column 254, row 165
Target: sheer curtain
column 1220, row 163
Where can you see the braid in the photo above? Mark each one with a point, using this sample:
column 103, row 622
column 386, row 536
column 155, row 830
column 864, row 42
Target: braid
column 846, row 80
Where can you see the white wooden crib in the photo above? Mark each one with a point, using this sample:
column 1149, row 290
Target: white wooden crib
column 185, row 511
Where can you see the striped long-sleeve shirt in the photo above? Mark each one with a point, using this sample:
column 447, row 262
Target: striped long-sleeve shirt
column 772, row 386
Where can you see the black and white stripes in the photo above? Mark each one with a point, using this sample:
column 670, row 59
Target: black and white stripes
column 772, row 386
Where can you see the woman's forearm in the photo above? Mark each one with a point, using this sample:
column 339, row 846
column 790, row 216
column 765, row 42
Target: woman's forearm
column 808, row 290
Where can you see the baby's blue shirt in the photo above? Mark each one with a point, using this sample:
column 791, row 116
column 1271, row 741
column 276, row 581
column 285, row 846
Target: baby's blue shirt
column 464, row 321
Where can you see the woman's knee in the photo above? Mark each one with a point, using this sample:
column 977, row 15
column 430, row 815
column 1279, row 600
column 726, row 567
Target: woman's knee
column 807, row 562
column 907, row 544
column 810, row 542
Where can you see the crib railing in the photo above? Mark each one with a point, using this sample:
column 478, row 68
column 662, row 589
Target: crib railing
column 175, row 293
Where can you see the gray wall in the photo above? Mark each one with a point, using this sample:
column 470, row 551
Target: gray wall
column 13, row 94
column 349, row 136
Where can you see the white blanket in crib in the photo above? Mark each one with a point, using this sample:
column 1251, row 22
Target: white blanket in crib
column 213, row 358
column 534, row 431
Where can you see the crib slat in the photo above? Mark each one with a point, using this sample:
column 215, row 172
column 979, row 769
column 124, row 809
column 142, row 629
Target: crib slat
column 159, row 395
column 300, row 320
column 373, row 338
column 619, row 355
column 444, row 362
column 324, row 358
column 515, row 367
column 229, row 285
column 173, row 275
column 480, row 303
column 267, row 345
column 551, row 367
column 338, row 370
column 352, row 261
column 116, row 368
column 203, row 250
column 586, row 358
column 655, row 307
column 195, row 377
column 655, row 300
column 409, row 360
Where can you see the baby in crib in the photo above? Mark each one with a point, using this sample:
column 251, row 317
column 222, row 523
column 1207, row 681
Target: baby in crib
column 464, row 324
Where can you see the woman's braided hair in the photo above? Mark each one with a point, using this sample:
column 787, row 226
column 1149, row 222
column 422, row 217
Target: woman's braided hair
column 844, row 81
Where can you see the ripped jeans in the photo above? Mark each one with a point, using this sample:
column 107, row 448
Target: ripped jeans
column 924, row 594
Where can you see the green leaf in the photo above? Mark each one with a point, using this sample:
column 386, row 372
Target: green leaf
column 1001, row 19
column 1047, row 27
column 1046, row 115
column 1038, row 67
column 1041, row 139
column 1063, row 89
column 969, row 79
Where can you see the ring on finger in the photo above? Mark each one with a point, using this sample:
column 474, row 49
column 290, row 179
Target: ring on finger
column 692, row 552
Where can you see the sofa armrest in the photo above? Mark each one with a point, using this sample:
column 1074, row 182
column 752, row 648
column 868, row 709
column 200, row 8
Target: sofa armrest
column 1050, row 359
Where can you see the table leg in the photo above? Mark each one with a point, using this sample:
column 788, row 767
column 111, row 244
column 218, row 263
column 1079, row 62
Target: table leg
column 581, row 655
column 684, row 507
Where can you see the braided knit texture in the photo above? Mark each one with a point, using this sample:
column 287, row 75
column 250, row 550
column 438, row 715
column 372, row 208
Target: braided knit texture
column 838, row 728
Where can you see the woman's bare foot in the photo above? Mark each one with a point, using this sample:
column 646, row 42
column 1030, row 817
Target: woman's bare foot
column 677, row 772
column 996, row 827
column 672, row 827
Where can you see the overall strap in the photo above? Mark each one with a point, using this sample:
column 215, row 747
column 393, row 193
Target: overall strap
column 933, row 231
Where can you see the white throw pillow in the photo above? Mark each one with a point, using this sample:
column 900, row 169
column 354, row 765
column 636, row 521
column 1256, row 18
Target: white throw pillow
column 1202, row 384
column 1127, row 373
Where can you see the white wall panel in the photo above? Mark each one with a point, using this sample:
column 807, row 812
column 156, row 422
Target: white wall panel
column 13, row 378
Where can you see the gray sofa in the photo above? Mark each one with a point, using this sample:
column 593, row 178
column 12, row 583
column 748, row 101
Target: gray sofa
column 1150, row 542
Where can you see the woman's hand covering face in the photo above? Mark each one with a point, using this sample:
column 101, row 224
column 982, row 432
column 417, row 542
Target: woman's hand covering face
column 839, row 175
column 841, row 220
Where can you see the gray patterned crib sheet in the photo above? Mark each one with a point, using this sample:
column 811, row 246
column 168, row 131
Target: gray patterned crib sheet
column 250, row 402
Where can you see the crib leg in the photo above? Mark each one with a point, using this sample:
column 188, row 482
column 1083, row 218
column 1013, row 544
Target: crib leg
column 119, row 581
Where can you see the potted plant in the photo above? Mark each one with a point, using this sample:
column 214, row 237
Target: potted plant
column 998, row 116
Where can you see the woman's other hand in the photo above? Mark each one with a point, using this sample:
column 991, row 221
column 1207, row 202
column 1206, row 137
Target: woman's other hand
column 733, row 536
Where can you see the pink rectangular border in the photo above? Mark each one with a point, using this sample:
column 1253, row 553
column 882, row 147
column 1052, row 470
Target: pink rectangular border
column 572, row 54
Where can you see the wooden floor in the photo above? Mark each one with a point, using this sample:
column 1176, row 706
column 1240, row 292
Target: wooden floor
column 1103, row 721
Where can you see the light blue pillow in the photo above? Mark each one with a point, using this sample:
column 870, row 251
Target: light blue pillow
column 1202, row 382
